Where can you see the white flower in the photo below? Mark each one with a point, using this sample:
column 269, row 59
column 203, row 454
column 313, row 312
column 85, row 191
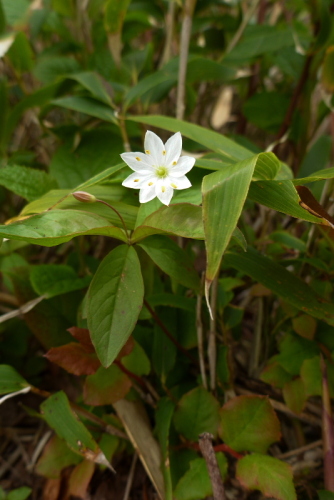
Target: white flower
column 160, row 169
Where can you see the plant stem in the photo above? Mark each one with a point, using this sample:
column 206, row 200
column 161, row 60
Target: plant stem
column 119, row 215
column 167, row 332
column 185, row 38
column 199, row 325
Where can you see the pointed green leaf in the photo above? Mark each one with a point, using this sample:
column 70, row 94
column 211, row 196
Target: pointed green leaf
column 224, row 195
column 88, row 106
column 267, row 474
column 182, row 219
column 58, row 413
column 115, row 299
column 281, row 196
column 10, row 380
column 58, row 226
column 167, row 255
column 211, row 140
column 275, row 277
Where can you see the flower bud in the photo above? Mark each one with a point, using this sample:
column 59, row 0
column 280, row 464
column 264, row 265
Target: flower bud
column 84, row 197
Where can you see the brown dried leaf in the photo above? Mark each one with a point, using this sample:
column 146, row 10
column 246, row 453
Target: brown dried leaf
column 74, row 358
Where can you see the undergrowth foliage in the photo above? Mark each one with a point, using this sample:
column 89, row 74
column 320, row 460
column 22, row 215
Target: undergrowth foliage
column 190, row 323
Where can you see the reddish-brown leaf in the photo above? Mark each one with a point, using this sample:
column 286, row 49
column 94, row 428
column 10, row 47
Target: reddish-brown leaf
column 74, row 358
column 82, row 335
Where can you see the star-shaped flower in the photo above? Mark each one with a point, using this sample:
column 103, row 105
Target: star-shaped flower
column 159, row 170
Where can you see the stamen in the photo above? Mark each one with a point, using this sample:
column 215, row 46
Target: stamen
column 174, row 162
column 150, row 183
column 136, row 180
column 163, row 189
column 164, row 153
column 137, row 158
column 174, row 186
column 147, row 151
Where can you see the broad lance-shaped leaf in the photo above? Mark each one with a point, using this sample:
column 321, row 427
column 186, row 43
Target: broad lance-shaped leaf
column 58, row 226
column 211, row 140
column 58, row 413
column 224, row 195
column 115, row 299
column 167, row 255
column 281, row 196
column 275, row 277
column 267, row 474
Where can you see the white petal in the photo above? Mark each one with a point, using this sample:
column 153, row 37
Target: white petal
column 183, row 166
column 155, row 149
column 139, row 162
column 147, row 194
column 136, row 180
column 164, row 192
column 179, row 182
column 173, row 148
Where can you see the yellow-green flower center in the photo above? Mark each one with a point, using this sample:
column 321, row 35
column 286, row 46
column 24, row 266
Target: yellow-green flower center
column 161, row 172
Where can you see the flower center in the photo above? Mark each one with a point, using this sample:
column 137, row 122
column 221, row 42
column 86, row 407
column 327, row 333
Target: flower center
column 161, row 172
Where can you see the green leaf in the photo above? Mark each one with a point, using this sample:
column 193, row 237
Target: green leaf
column 97, row 150
column 224, row 195
column 58, row 413
column 196, row 482
column 294, row 395
column 197, row 412
column 293, row 351
column 249, row 423
column 21, row 54
column 10, row 380
column 311, row 376
column 181, row 219
column 267, row 474
column 327, row 73
column 26, row 182
column 163, row 418
column 93, row 83
column 114, row 14
column 19, row 493
column 275, row 277
column 58, row 226
column 164, row 351
column 56, row 279
column 115, row 298
column 325, row 495
column 281, row 196
column 211, row 140
column 15, row 12
column 167, row 255
column 106, row 386
column 52, row 69
column 137, row 361
column 88, row 106
column 266, row 110
column 258, row 40
column 56, row 456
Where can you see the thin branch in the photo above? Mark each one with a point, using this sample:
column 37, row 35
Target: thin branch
column 167, row 332
column 205, row 444
column 184, row 50
column 248, row 15
column 169, row 34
